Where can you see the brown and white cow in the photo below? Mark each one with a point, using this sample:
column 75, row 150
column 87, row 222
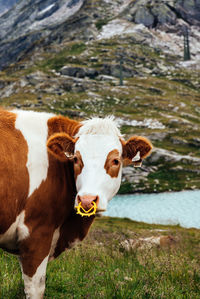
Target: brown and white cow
column 48, row 164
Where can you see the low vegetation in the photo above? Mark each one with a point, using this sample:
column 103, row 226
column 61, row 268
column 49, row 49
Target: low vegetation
column 100, row 267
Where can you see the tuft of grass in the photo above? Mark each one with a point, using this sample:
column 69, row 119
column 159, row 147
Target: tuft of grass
column 61, row 58
column 100, row 23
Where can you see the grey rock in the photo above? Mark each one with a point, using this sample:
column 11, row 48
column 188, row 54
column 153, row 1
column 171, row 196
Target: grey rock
column 144, row 16
column 163, row 156
column 189, row 10
column 35, row 78
column 178, row 141
column 79, row 72
column 156, row 13
column 107, row 78
column 114, row 70
column 158, row 136
column 73, row 71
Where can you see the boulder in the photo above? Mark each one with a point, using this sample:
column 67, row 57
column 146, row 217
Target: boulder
column 145, row 17
column 156, row 13
column 114, row 70
column 148, row 243
column 73, row 71
column 36, row 77
column 79, row 72
column 189, row 10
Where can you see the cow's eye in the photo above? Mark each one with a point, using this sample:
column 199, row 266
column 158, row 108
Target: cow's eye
column 75, row 160
column 116, row 162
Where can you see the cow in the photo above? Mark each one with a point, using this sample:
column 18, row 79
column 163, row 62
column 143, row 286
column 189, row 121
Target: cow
column 48, row 165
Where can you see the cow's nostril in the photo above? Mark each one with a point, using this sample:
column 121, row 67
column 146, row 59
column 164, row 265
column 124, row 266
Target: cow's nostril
column 78, row 199
column 96, row 200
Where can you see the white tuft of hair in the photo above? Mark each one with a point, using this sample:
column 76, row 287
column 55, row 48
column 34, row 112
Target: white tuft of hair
column 99, row 126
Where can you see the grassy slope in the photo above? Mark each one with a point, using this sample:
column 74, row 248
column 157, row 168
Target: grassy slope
column 99, row 268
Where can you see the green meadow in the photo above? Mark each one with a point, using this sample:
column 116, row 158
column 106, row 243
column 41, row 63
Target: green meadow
column 100, row 267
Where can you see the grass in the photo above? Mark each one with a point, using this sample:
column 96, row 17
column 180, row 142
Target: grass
column 60, row 59
column 100, row 23
column 99, row 267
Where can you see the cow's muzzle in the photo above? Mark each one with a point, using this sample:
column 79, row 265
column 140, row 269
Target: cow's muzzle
column 87, row 201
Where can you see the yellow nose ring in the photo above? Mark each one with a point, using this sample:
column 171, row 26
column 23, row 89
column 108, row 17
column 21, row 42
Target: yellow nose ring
column 81, row 211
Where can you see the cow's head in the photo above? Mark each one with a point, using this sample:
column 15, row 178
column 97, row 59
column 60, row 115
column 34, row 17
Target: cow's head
column 98, row 152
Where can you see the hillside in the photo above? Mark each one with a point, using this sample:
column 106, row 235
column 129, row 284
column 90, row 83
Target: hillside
column 72, row 67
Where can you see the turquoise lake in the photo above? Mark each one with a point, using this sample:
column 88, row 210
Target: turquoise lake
column 173, row 208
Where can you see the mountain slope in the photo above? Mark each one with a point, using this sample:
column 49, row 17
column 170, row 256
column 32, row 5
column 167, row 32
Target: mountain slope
column 30, row 21
column 43, row 22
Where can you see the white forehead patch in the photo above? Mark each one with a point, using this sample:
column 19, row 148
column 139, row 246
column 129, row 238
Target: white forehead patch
column 96, row 146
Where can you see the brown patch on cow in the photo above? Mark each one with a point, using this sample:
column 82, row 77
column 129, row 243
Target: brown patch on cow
column 58, row 124
column 61, row 146
column 113, row 163
column 14, row 177
column 80, row 225
column 134, row 145
column 78, row 164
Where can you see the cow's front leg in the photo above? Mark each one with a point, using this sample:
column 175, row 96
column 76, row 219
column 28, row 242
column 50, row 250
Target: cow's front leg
column 34, row 256
column 34, row 286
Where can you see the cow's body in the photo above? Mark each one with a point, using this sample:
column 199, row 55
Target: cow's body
column 37, row 193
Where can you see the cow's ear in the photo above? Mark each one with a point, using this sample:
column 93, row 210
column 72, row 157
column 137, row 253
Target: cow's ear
column 61, row 146
column 135, row 150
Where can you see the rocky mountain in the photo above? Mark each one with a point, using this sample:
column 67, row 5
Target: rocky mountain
column 66, row 57
column 29, row 22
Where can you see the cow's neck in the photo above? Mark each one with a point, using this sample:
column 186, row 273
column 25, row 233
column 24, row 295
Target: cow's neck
column 63, row 124
column 74, row 229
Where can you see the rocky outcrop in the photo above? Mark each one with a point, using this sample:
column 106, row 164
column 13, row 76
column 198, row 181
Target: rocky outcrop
column 79, row 72
column 172, row 157
column 156, row 13
column 114, row 70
